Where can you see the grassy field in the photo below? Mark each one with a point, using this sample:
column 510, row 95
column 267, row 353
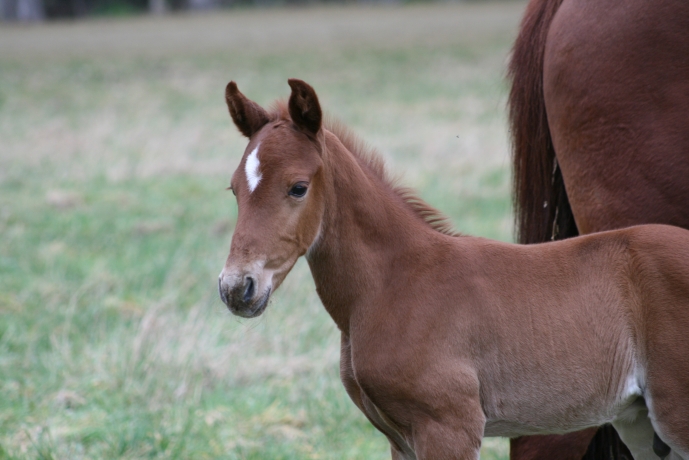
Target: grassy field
column 115, row 149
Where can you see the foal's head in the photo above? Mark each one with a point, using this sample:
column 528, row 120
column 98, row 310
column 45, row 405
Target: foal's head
column 279, row 190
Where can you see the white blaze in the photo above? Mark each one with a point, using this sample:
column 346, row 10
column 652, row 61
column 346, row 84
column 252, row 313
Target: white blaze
column 251, row 168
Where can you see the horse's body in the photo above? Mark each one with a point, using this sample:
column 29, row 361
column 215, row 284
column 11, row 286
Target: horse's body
column 446, row 339
column 603, row 86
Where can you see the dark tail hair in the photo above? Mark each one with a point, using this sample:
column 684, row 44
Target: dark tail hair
column 541, row 207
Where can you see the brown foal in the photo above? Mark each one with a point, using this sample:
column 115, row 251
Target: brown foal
column 447, row 338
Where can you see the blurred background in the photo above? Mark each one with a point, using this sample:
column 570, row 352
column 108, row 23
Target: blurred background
column 115, row 151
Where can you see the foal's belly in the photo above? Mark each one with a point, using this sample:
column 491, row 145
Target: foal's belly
column 552, row 413
column 513, row 429
column 510, row 428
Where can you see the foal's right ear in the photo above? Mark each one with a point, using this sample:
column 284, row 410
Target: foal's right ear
column 247, row 115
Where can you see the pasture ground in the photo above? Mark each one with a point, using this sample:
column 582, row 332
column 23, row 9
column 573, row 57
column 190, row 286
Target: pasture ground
column 115, row 149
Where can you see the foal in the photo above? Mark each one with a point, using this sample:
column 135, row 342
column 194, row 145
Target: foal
column 446, row 338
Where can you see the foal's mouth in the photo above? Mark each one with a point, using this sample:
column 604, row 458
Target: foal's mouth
column 240, row 304
column 256, row 308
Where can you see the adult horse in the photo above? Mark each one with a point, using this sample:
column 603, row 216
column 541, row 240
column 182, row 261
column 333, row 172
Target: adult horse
column 447, row 338
column 599, row 113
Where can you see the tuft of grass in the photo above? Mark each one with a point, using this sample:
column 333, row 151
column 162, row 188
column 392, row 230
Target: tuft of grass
column 114, row 220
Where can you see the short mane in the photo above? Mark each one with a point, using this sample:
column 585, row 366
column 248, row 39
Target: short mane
column 372, row 159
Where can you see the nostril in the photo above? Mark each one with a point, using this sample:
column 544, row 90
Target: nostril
column 249, row 289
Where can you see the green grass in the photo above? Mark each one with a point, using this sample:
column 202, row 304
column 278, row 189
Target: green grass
column 115, row 222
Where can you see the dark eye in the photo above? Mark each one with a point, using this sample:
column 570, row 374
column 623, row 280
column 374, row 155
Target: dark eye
column 298, row 190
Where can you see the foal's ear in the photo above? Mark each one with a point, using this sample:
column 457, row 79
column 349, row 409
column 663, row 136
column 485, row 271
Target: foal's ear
column 247, row 115
column 304, row 107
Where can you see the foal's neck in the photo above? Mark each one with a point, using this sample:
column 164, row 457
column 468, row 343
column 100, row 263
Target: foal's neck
column 367, row 234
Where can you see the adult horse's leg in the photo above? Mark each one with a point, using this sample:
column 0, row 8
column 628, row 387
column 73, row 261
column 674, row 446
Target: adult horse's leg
column 567, row 447
column 594, row 443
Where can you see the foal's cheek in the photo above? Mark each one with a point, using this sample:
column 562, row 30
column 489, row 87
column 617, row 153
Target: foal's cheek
column 311, row 221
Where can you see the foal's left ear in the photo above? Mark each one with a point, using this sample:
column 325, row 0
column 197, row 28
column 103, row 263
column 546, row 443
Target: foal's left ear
column 304, row 107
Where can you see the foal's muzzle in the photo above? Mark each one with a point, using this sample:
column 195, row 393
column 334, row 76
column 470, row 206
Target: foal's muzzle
column 242, row 298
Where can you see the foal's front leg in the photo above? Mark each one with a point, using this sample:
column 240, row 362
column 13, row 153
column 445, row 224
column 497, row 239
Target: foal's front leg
column 454, row 437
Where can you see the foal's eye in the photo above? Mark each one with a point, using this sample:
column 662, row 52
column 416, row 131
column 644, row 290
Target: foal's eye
column 298, row 190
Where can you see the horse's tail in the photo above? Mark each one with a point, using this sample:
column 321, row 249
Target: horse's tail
column 541, row 207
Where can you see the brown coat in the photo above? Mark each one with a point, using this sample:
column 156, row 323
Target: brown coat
column 447, row 338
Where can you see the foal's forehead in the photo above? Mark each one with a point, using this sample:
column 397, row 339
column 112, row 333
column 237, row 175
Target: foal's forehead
column 280, row 138
column 277, row 147
column 279, row 143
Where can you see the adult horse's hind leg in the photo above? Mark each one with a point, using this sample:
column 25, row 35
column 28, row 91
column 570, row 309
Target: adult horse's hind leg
column 568, row 447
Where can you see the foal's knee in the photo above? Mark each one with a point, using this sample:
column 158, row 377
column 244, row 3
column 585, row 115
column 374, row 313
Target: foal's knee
column 437, row 441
